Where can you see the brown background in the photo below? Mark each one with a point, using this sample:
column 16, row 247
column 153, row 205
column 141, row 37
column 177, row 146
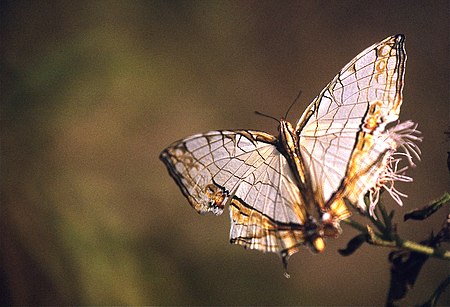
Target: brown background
column 92, row 91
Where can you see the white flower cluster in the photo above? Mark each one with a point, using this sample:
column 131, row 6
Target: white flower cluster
column 403, row 137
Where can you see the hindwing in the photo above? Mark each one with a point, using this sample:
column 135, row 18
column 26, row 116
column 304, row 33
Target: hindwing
column 246, row 170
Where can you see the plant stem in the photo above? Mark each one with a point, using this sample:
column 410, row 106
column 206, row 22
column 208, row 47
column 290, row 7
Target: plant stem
column 423, row 249
column 375, row 239
column 355, row 225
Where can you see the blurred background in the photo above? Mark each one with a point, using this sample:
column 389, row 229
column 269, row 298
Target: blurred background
column 92, row 91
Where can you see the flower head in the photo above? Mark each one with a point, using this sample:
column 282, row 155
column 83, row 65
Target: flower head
column 402, row 136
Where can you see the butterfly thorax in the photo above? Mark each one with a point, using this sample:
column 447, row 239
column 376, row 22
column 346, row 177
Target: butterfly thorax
column 288, row 141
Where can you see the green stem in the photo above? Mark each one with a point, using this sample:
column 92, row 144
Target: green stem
column 423, row 249
column 355, row 225
column 387, row 220
column 375, row 239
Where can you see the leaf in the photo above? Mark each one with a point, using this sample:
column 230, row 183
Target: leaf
column 423, row 213
column 353, row 245
column 405, row 268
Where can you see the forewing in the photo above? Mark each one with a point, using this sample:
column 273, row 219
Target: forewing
column 341, row 133
column 246, row 170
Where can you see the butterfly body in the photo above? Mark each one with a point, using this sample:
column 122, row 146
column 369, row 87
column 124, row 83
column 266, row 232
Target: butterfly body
column 294, row 189
column 318, row 218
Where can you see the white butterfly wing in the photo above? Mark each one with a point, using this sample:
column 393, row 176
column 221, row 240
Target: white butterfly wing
column 243, row 169
column 342, row 133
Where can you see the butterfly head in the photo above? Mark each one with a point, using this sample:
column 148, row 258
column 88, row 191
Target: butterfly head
column 287, row 132
column 287, row 139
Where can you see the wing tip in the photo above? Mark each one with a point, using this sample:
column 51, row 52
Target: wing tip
column 163, row 155
column 399, row 38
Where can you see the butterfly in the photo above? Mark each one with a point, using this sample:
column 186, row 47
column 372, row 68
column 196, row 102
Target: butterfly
column 293, row 189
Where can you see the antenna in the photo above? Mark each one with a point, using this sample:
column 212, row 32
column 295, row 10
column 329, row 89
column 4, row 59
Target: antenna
column 268, row 116
column 292, row 104
column 287, row 112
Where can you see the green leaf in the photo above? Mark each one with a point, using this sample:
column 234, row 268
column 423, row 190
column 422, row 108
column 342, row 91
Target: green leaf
column 353, row 245
column 423, row 213
column 405, row 268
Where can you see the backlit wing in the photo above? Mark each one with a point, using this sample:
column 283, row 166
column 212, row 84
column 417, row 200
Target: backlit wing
column 343, row 137
column 245, row 170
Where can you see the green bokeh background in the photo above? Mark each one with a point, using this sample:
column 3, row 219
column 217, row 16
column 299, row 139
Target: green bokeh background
column 92, row 91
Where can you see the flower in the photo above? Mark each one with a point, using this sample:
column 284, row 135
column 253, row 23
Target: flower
column 402, row 136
